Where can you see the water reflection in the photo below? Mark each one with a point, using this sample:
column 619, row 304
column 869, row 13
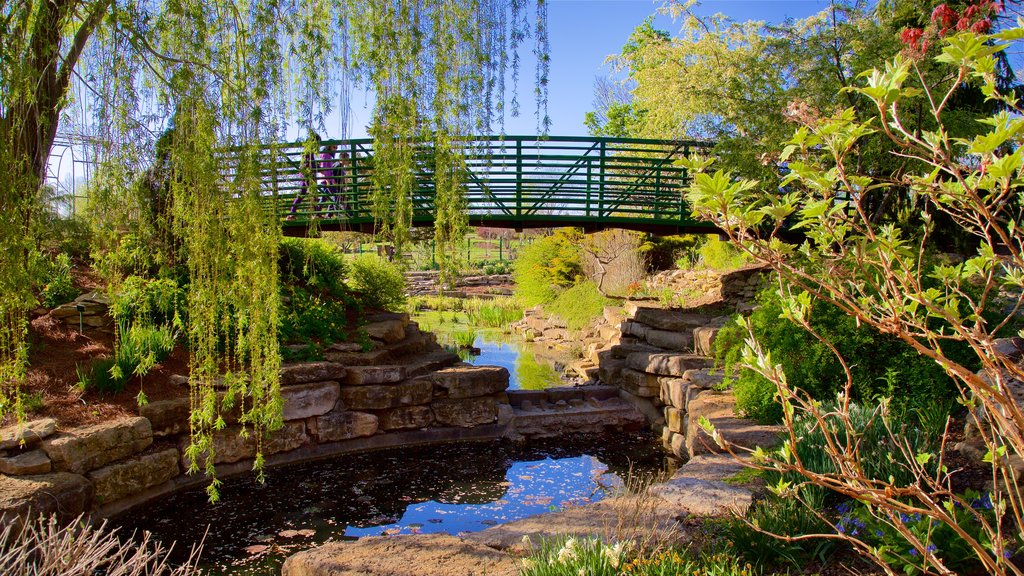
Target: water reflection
column 442, row 489
column 526, row 371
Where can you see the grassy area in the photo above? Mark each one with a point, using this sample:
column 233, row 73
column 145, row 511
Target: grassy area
column 579, row 304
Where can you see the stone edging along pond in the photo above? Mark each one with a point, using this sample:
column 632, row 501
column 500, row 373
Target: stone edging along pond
column 406, row 392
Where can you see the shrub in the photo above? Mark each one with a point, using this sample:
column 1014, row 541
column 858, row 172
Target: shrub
column 783, row 517
column 139, row 349
column 381, row 284
column 148, row 300
column 885, row 366
column 315, row 300
column 59, row 287
column 548, row 264
column 662, row 252
column 571, row 556
column 579, row 305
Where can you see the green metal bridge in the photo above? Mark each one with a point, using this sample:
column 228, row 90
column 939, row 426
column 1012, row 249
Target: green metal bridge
column 512, row 182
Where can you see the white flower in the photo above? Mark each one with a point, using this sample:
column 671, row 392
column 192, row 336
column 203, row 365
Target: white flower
column 528, row 564
column 582, row 572
column 526, row 541
column 566, row 553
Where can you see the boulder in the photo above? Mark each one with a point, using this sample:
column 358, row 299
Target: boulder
column 609, row 370
column 389, row 331
column 412, row 555
column 465, row 413
column 345, row 425
column 407, row 417
column 665, row 364
column 693, row 496
column 384, row 396
column 62, row 493
column 87, row 448
column 470, row 381
column 671, row 320
column 308, row 400
column 132, row 476
column 306, row 372
column 25, row 463
column 362, row 375
column 28, row 434
column 675, row 419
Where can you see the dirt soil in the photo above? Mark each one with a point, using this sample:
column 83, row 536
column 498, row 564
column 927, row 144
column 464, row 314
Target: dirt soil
column 57, row 351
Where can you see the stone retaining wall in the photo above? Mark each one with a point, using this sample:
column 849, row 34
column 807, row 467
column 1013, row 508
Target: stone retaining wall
column 424, row 283
column 407, row 391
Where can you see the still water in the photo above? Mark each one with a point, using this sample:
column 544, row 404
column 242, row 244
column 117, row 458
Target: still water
column 452, row 489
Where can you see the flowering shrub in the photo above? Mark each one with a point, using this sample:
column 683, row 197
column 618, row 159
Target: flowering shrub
column 942, row 540
column 573, row 556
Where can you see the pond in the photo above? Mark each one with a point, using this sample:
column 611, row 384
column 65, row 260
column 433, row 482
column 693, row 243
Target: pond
column 452, row 489
column 530, row 367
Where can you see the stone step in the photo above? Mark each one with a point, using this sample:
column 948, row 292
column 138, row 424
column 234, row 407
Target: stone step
column 430, row 362
column 699, row 488
column 720, row 409
column 665, row 363
column 584, row 417
column 467, row 381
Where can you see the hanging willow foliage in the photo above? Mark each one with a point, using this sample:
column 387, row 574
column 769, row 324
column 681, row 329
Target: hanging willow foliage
column 230, row 74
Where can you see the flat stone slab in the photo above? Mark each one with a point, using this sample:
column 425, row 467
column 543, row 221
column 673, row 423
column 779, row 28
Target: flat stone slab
column 384, row 396
column 466, row 412
column 413, row 555
column 670, row 320
column 592, row 417
column 125, row 478
column 389, row 331
column 613, row 518
column 710, row 467
column 345, row 425
column 698, row 497
column 720, row 409
column 80, row 450
column 308, row 400
column 666, row 364
column 28, row 434
column 470, row 381
column 381, row 374
column 31, row 462
column 307, row 372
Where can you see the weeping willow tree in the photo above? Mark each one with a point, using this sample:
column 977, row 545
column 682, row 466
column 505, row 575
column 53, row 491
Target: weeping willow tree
column 234, row 75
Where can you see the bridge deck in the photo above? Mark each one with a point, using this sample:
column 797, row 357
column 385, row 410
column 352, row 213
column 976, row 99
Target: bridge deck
column 512, row 182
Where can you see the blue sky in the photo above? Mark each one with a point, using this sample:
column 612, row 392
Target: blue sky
column 583, row 34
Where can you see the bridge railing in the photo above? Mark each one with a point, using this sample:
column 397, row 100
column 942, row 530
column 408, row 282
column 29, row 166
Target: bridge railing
column 510, row 180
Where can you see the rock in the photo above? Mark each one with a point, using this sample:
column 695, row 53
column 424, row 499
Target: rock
column 62, row 493
column 167, row 417
column 345, row 425
column 28, row 434
column 389, row 331
column 308, row 400
column 465, row 412
column 346, row 347
column 31, row 462
column 684, row 495
column 665, row 364
column 629, row 345
column 401, row 317
column 678, row 392
column 178, row 379
column 613, row 315
column 675, row 419
column 132, row 476
column 87, row 448
column 704, row 340
column 597, row 418
column 670, row 340
column 670, row 320
column 230, row 446
column 307, row 372
column 384, row 396
column 633, row 328
column 406, row 418
column 470, row 381
column 362, row 375
column 640, row 383
column 609, row 370
column 556, row 334
column 412, row 555
column 719, row 409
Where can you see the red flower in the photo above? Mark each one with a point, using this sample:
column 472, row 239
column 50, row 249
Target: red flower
column 982, row 26
column 944, row 15
column 963, row 24
column 911, row 37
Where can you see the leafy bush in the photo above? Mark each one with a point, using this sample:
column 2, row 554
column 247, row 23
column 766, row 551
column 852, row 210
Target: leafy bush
column 381, row 284
column 59, row 287
column 158, row 301
column 662, row 252
column 785, row 517
column 938, row 538
column 139, row 349
column 546, row 265
column 882, row 366
column 579, row 304
column 315, row 300
column 496, row 267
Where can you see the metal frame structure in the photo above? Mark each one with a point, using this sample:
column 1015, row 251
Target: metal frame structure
column 511, row 182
